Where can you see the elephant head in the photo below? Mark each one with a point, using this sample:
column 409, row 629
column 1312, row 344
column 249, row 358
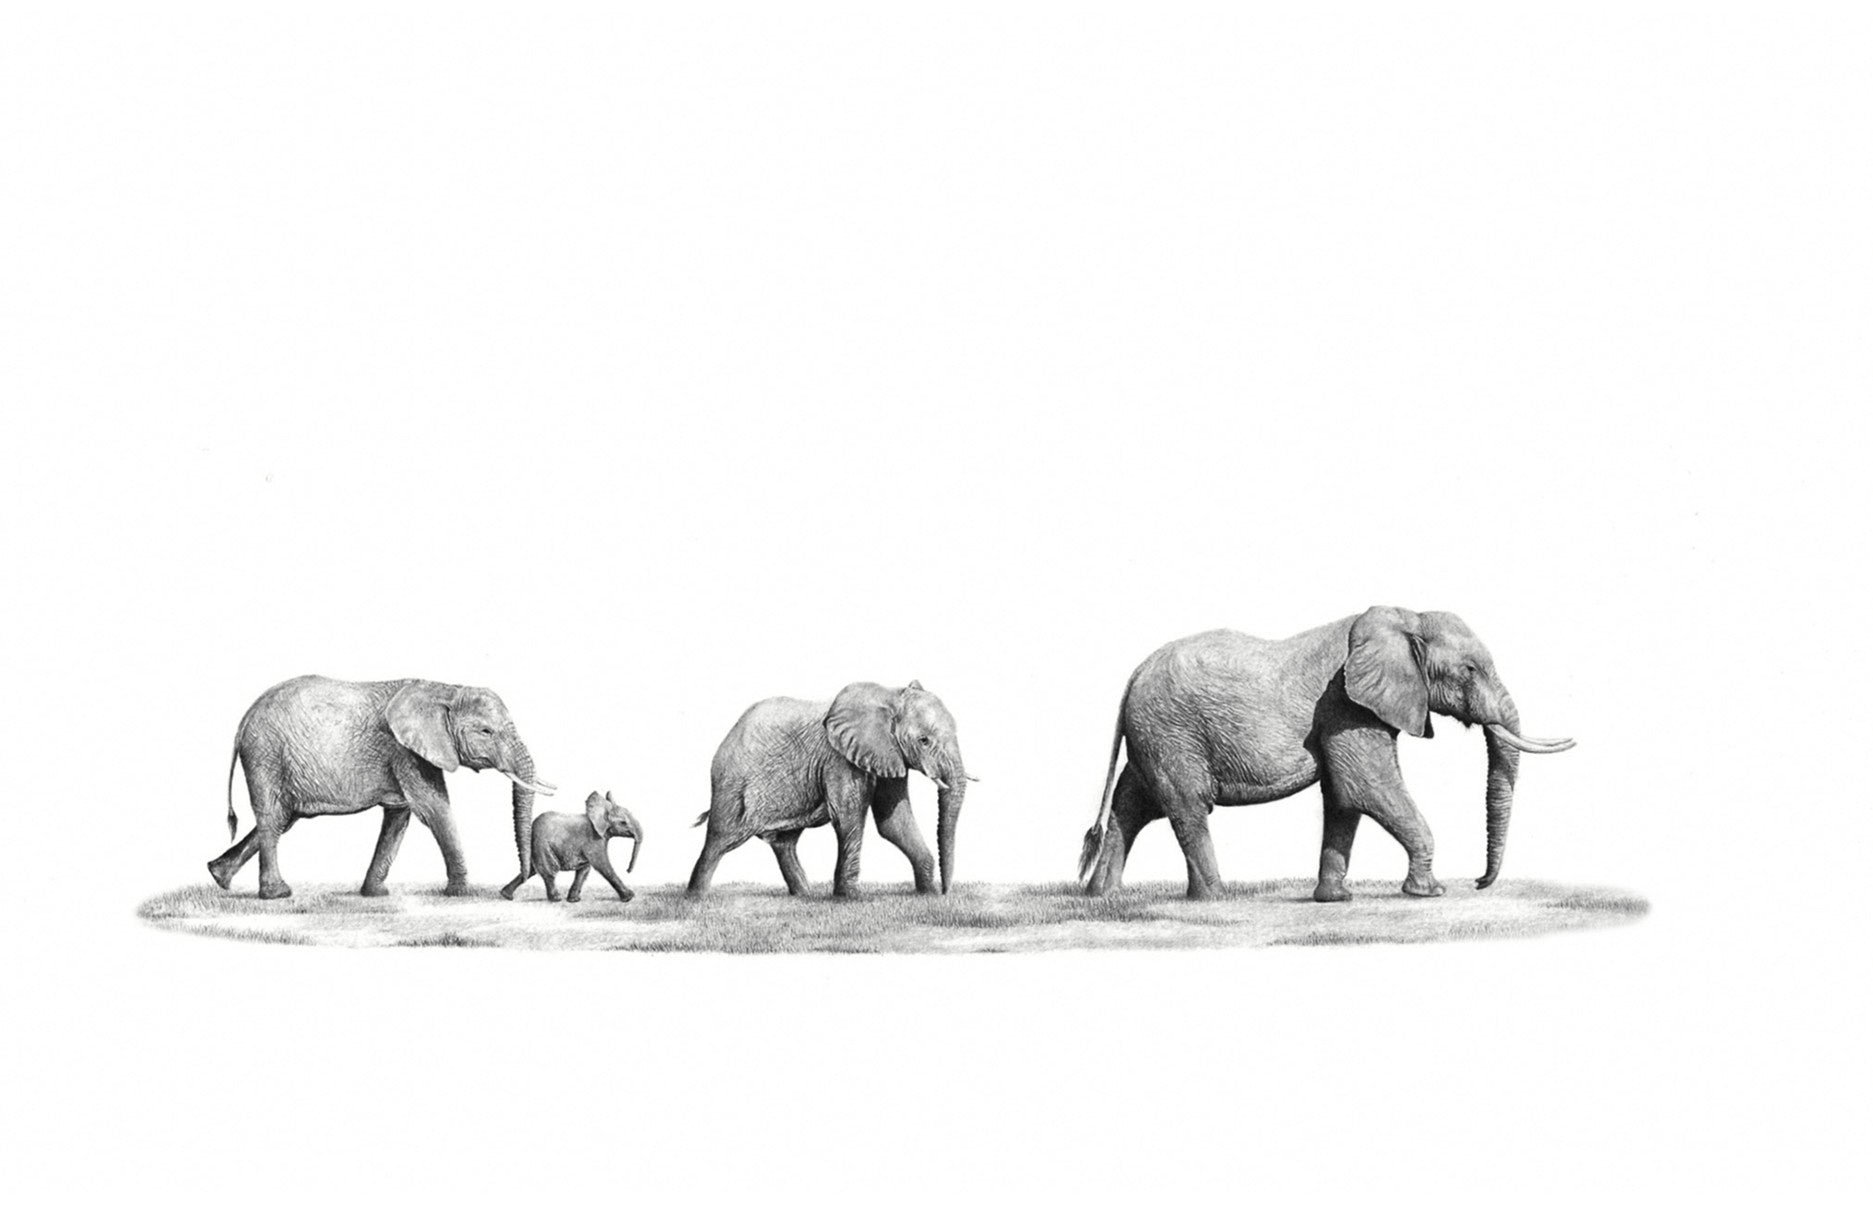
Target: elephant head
column 468, row 726
column 884, row 732
column 1403, row 666
column 611, row 819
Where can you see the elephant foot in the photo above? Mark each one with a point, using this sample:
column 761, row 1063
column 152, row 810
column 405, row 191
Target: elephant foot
column 573, row 898
column 1200, row 892
column 1328, row 894
column 1423, row 887
column 508, row 890
column 274, row 892
column 221, row 876
column 370, row 889
column 456, row 889
column 627, row 896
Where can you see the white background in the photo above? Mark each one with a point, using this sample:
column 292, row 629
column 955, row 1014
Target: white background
column 642, row 362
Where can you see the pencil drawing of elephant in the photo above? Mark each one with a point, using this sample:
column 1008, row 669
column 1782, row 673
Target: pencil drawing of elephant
column 788, row 765
column 316, row 746
column 1225, row 718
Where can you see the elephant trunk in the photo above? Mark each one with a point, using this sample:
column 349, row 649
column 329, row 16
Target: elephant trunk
column 951, row 789
column 1499, row 797
column 637, row 838
column 519, row 764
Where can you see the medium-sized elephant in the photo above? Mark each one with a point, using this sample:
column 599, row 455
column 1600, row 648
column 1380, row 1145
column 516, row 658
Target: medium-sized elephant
column 316, row 746
column 789, row 765
column 1225, row 718
column 567, row 841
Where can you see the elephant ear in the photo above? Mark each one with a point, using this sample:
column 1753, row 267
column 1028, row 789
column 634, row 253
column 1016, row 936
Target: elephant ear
column 598, row 812
column 1385, row 669
column 418, row 718
column 859, row 725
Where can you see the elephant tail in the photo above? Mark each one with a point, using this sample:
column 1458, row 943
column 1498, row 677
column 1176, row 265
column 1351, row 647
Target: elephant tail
column 233, row 822
column 1096, row 836
column 240, row 734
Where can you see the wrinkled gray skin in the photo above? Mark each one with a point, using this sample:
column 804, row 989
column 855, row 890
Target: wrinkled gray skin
column 316, row 746
column 1225, row 718
column 789, row 765
column 567, row 841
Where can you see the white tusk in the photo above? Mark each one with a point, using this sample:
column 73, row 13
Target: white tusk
column 1529, row 744
column 940, row 784
column 538, row 786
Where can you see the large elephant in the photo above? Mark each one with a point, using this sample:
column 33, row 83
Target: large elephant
column 788, row 765
column 316, row 746
column 1225, row 718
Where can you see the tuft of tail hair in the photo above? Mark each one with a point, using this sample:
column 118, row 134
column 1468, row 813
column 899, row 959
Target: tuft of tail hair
column 1096, row 836
column 1089, row 849
column 699, row 820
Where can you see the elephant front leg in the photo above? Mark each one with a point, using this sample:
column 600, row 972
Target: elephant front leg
column 389, row 840
column 1364, row 777
column 603, row 863
column 443, row 826
column 890, row 808
column 1404, row 822
column 1336, row 849
column 427, row 797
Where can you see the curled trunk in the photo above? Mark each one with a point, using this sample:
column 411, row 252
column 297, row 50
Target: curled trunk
column 1499, row 796
column 521, row 765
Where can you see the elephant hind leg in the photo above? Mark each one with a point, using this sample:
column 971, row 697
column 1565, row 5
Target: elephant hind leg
column 224, row 868
column 1338, row 826
column 713, row 848
column 389, row 840
column 1132, row 809
column 726, row 811
column 268, row 830
column 1189, row 812
column 787, row 855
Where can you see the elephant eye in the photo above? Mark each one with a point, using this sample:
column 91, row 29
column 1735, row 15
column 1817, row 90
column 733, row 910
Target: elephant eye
column 923, row 740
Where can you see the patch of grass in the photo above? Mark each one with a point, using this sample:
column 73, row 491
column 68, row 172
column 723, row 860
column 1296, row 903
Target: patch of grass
column 448, row 938
column 976, row 918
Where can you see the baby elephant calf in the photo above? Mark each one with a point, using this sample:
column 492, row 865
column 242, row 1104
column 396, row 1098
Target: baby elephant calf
column 566, row 841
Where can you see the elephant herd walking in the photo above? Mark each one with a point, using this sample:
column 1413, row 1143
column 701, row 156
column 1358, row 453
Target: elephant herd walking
column 1220, row 718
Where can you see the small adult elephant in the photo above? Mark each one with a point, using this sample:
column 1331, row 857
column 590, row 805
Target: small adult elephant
column 316, row 746
column 788, row 765
column 1225, row 718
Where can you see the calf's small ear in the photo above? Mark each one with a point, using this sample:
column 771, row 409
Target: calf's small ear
column 595, row 813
